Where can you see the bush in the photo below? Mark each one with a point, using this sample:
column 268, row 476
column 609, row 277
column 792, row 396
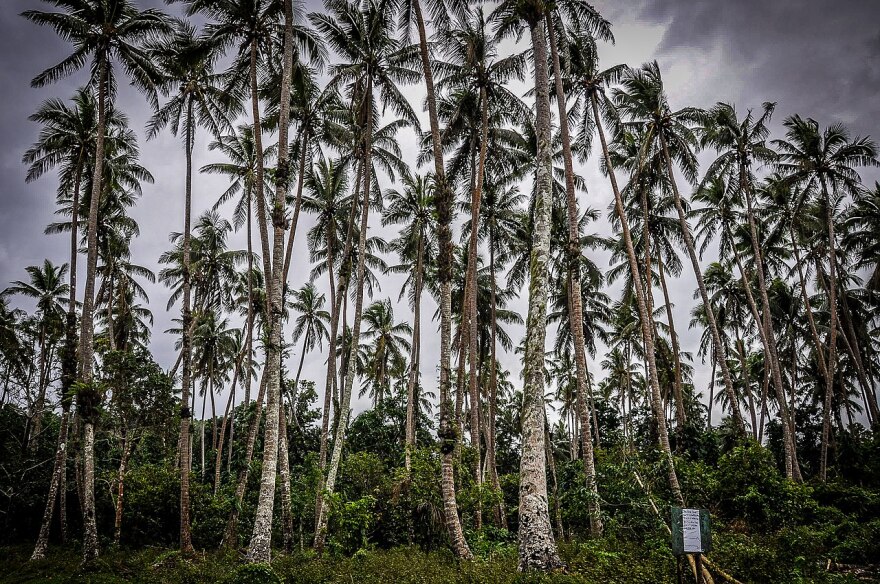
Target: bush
column 255, row 574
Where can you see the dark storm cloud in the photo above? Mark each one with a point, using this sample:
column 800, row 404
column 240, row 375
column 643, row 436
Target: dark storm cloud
column 819, row 59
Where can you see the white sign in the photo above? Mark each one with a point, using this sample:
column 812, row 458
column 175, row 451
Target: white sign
column 693, row 541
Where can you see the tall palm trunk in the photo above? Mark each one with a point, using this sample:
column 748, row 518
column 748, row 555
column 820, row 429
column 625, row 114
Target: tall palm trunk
column 644, row 315
column 680, row 415
column 491, row 467
column 444, row 203
column 284, row 475
column 87, row 322
column 345, row 397
column 537, row 547
column 120, row 487
column 250, row 299
column 297, row 204
column 768, row 335
column 337, row 294
column 470, row 301
column 412, row 378
column 260, row 549
column 831, row 289
column 720, row 352
column 576, row 314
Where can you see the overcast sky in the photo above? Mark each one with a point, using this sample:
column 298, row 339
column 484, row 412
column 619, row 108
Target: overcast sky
column 817, row 58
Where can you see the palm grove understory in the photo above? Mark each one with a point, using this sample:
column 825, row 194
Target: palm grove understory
column 304, row 113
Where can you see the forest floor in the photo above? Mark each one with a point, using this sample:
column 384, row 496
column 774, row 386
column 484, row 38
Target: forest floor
column 602, row 561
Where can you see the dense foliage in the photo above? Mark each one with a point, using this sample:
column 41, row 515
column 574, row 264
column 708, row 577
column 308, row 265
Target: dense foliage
column 564, row 419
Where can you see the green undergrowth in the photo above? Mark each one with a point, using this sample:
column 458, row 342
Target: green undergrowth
column 607, row 560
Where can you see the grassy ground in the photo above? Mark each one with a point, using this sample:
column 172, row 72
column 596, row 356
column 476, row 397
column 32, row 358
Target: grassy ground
column 604, row 561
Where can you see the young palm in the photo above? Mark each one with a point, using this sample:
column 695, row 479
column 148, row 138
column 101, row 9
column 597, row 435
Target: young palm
column 386, row 344
column 822, row 164
column 105, row 32
column 414, row 208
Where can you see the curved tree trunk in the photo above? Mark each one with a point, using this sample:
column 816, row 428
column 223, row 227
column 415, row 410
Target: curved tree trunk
column 230, row 535
column 644, row 316
column 720, row 352
column 768, row 335
column 537, row 547
column 444, row 202
column 576, row 315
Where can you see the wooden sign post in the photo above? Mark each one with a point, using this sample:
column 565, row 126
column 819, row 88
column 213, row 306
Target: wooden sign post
column 691, row 534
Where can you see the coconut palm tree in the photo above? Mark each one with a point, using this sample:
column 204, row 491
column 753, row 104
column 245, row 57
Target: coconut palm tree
column 66, row 141
column 414, row 208
column 385, row 344
column 107, row 32
column 600, row 110
column 537, row 546
column 310, row 325
column 46, row 286
column 822, row 165
column 371, row 61
column 187, row 62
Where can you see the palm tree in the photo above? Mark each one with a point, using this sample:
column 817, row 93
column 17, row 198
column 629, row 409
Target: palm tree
column 186, row 63
column 444, row 202
column 589, row 20
column 67, row 140
column 601, row 111
column 385, row 345
column 537, row 546
column 372, row 60
column 310, row 325
column 108, row 31
column 47, row 287
column 414, row 208
column 822, row 164
column 472, row 62
column 669, row 134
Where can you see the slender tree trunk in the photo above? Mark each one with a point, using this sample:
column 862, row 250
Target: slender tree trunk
column 644, row 316
column 230, row 536
column 680, row 415
column 218, row 459
column 537, row 546
column 87, row 322
column 831, row 289
column 345, row 398
column 768, row 335
column 43, row 539
column 413, row 376
column 120, row 488
column 720, row 353
column 492, row 468
column 261, row 540
column 576, row 315
column 470, row 303
column 444, row 202
column 297, row 205
column 250, row 298
column 284, row 474
column 337, row 295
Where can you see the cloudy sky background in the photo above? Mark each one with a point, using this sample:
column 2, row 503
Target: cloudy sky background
column 818, row 58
